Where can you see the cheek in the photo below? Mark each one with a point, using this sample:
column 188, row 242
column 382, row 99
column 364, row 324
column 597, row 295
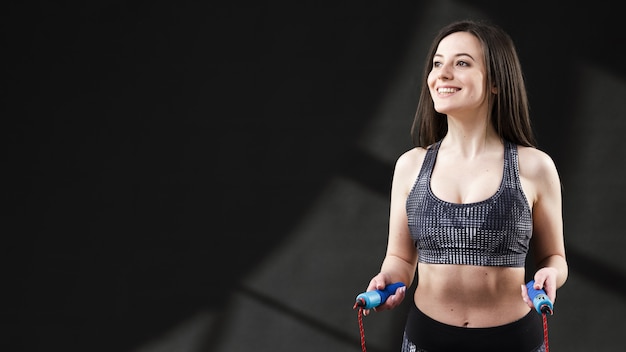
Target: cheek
column 431, row 80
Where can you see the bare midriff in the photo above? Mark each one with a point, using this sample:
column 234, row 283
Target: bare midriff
column 470, row 296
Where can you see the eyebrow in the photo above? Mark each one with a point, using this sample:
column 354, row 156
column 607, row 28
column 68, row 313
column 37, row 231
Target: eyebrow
column 456, row 55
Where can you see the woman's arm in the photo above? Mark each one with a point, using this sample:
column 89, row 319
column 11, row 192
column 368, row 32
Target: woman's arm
column 400, row 260
column 548, row 247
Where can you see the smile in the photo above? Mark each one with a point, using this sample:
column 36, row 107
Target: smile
column 447, row 90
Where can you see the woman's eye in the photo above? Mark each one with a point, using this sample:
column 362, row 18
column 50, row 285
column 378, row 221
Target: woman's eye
column 462, row 63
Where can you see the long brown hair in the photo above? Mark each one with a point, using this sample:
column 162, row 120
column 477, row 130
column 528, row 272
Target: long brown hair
column 509, row 108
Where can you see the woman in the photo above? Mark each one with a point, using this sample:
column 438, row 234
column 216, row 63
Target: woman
column 469, row 201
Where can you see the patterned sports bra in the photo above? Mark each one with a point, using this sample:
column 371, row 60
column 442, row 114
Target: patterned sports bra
column 492, row 232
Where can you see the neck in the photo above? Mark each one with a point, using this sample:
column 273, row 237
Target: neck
column 471, row 139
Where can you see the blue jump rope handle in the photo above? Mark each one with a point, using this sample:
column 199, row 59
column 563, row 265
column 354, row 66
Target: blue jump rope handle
column 372, row 299
column 540, row 299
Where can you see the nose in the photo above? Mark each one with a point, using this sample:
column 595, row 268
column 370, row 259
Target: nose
column 444, row 72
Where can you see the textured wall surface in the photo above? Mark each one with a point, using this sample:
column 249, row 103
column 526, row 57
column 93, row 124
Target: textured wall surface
column 187, row 176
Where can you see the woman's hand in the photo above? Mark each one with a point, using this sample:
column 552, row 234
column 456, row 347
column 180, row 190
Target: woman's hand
column 379, row 282
column 545, row 278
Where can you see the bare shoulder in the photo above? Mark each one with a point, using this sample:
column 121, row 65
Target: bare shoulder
column 538, row 174
column 407, row 168
column 535, row 163
column 411, row 159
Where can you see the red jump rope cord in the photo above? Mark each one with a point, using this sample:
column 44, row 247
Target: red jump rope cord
column 361, row 330
column 545, row 331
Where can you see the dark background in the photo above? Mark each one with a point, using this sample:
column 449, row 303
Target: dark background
column 201, row 176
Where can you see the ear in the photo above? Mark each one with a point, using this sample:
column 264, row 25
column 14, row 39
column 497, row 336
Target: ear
column 494, row 90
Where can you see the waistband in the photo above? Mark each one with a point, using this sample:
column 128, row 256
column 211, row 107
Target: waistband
column 428, row 334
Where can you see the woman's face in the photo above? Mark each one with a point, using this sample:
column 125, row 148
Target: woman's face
column 457, row 79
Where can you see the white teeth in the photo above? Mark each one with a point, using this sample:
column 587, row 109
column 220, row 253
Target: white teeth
column 446, row 90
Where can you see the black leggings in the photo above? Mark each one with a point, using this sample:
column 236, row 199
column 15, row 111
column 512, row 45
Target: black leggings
column 424, row 334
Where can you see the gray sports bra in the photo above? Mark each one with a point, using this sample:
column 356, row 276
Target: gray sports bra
column 492, row 232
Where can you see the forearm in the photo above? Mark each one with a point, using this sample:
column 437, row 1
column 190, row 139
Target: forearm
column 399, row 269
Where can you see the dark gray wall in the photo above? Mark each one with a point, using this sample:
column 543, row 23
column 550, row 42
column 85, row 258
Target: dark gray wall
column 188, row 176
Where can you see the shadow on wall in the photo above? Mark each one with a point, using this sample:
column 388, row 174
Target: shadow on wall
column 160, row 150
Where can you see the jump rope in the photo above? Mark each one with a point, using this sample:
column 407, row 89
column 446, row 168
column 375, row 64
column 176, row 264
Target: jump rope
column 372, row 299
